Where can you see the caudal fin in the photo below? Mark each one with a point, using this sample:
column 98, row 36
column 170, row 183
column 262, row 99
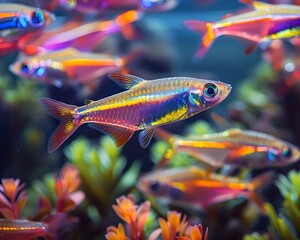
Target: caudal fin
column 125, row 20
column 205, row 28
column 257, row 184
column 65, row 114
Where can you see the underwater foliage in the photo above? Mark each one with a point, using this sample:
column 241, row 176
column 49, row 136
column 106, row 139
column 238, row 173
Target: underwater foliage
column 256, row 236
column 103, row 171
column 51, row 214
column 285, row 224
column 13, row 197
column 135, row 217
column 57, row 193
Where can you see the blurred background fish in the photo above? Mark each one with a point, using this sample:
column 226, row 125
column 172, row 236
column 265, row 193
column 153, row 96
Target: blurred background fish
column 17, row 20
column 70, row 67
column 264, row 23
column 194, row 186
column 101, row 6
column 79, row 35
column 235, row 147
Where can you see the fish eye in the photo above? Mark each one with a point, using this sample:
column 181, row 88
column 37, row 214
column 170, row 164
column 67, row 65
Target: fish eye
column 287, row 152
column 37, row 18
column 273, row 155
column 25, row 68
column 155, row 187
column 210, row 90
column 175, row 193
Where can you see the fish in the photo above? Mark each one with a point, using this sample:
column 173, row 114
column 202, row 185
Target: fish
column 234, row 147
column 144, row 106
column 79, row 35
column 70, row 67
column 22, row 229
column 105, row 5
column 266, row 22
column 18, row 19
column 196, row 187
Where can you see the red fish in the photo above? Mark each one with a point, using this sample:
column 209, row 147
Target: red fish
column 264, row 23
column 84, row 37
column 196, row 187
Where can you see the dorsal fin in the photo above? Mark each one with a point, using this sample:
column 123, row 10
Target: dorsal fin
column 88, row 101
column 228, row 15
column 256, row 4
column 260, row 5
column 125, row 81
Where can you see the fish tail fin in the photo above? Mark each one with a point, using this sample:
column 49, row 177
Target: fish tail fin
column 257, row 184
column 171, row 151
column 132, row 56
column 205, row 28
column 125, row 20
column 64, row 113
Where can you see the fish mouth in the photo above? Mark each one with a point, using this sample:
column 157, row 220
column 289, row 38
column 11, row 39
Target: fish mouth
column 13, row 68
column 229, row 87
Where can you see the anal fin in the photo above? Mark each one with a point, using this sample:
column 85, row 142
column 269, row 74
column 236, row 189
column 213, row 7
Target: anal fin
column 120, row 135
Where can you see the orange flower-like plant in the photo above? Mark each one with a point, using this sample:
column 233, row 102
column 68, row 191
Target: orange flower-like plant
column 12, row 198
column 174, row 228
column 66, row 185
column 135, row 216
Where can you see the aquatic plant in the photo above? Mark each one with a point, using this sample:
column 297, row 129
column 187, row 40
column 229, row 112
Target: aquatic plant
column 136, row 216
column 57, row 193
column 102, row 171
column 286, row 224
column 13, row 197
column 256, row 236
column 49, row 216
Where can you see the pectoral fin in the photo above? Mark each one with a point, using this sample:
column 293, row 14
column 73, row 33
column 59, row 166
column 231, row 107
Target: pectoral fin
column 145, row 137
column 119, row 135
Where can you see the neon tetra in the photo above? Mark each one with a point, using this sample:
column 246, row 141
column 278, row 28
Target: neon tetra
column 145, row 106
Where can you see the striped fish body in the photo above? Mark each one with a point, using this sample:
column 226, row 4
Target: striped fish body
column 70, row 67
column 146, row 105
column 264, row 23
column 18, row 19
column 193, row 186
column 21, row 229
column 239, row 148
